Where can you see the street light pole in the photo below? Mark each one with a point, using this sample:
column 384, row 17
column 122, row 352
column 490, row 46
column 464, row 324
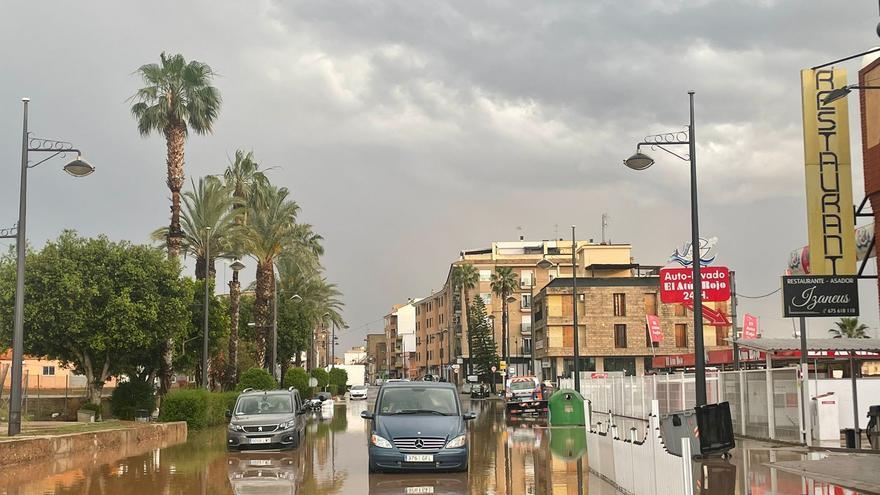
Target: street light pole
column 77, row 168
column 574, row 311
column 640, row 161
column 275, row 326
column 207, row 308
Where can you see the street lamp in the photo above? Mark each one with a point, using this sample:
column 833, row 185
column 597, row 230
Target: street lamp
column 838, row 93
column 574, row 312
column 77, row 168
column 207, row 307
column 640, row 161
column 234, row 299
column 506, row 334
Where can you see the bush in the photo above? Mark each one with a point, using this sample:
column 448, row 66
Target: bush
column 332, row 388
column 256, row 378
column 322, row 376
column 339, row 377
column 299, row 379
column 199, row 408
column 88, row 406
column 130, row 396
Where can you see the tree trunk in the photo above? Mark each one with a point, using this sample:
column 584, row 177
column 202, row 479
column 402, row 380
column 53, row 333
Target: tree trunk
column 234, row 304
column 175, row 135
column 262, row 308
column 200, row 268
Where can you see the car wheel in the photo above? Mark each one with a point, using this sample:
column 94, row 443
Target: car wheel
column 371, row 468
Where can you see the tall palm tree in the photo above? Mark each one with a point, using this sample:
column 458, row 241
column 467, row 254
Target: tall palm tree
column 243, row 177
column 849, row 328
column 465, row 278
column 207, row 222
column 504, row 284
column 271, row 229
column 177, row 97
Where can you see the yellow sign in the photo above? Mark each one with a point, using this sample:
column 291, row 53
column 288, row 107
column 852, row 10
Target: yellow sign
column 830, row 216
column 502, row 365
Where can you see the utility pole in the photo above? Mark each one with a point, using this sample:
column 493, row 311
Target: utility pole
column 574, row 309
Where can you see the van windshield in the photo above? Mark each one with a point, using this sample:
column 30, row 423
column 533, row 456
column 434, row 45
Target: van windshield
column 418, row 400
column 522, row 385
column 264, row 404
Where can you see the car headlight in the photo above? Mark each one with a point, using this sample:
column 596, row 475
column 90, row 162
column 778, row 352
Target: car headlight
column 236, row 427
column 285, row 425
column 457, row 442
column 380, row 442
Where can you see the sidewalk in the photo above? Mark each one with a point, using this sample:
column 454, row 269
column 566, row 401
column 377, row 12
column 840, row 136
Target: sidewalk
column 855, row 471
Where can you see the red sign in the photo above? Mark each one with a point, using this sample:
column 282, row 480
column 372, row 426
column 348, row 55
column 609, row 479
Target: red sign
column 711, row 317
column 721, row 356
column 750, row 327
column 598, row 375
column 677, row 284
column 654, row 328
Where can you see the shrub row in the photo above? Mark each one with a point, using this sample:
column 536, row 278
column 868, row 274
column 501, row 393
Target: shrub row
column 199, row 408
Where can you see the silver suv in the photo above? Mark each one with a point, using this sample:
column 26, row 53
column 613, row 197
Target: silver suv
column 266, row 419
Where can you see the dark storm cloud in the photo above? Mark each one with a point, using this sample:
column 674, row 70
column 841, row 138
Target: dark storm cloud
column 409, row 130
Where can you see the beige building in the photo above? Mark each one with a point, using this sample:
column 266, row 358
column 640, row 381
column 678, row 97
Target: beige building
column 377, row 356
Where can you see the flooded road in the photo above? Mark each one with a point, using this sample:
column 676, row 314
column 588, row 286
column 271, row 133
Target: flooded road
column 521, row 458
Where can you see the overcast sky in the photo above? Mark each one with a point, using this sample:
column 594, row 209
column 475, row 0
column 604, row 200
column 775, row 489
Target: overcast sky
column 409, row 130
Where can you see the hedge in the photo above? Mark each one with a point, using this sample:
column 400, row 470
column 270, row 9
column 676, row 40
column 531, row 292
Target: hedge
column 130, row 396
column 199, row 408
column 322, row 377
column 339, row 377
column 299, row 379
column 256, row 378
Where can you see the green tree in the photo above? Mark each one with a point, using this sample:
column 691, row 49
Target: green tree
column 322, row 376
column 188, row 352
column 299, row 379
column 485, row 353
column 257, row 378
column 100, row 307
column 339, row 378
column 465, row 278
column 849, row 328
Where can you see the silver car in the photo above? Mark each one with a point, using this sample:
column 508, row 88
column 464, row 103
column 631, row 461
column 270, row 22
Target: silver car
column 358, row 392
column 266, row 420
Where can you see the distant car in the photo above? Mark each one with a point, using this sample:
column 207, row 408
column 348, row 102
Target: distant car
column 479, row 391
column 358, row 392
column 525, row 394
column 266, row 419
column 429, row 378
column 418, row 426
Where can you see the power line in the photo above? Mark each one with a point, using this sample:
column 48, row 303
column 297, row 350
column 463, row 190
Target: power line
column 761, row 296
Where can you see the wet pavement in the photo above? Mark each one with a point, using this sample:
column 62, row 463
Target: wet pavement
column 511, row 458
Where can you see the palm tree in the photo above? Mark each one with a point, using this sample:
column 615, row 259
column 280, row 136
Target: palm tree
column 465, row 278
column 242, row 177
column 271, row 229
column 503, row 285
column 207, row 222
column 177, row 97
column 849, row 328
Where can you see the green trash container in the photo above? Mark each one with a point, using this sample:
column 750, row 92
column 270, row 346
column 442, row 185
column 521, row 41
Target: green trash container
column 566, row 408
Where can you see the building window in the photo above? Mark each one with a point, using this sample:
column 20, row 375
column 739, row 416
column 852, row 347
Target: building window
column 48, row 371
column 651, row 304
column 526, row 279
column 619, row 305
column 525, row 301
column 681, row 337
column 526, row 325
column 487, row 298
column 485, row 275
column 620, row 336
column 680, row 310
column 527, row 346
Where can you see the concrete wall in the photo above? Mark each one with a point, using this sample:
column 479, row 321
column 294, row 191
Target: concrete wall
column 869, row 394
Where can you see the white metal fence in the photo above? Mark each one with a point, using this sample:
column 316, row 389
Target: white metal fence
column 764, row 404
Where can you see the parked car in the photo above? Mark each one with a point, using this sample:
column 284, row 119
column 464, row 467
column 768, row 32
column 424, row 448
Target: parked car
column 266, row 419
column 429, row 378
column 479, row 391
column 358, row 392
column 418, row 426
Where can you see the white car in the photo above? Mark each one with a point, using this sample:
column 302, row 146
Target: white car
column 358, row 392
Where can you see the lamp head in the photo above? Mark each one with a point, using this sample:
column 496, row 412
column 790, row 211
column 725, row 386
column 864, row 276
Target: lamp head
column 544, row 264
column 639, row 161
column 237, row 266
column 836, row 94
column 79, row 167
column 296, row 298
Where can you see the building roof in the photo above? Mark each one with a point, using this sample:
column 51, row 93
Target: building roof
column 565, row 282
column 787, row 344
column 612, row 266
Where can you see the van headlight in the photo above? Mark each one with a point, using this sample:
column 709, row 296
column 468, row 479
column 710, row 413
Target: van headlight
column 457, row 442
column 380, row 442
column 235, row 427
column 285, row 425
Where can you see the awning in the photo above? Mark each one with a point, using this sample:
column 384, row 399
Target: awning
column 816, row 345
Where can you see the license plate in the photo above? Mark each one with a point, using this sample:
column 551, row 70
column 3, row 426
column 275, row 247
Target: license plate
column 260, row 440
column 419, row 489
column 419, row 458
column 260, row 462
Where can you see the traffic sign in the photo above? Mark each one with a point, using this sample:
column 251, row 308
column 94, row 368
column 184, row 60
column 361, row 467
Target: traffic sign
column 677, row 284
column 503, row 365
column 313, row 382
column 455, row 367
column 494, row 369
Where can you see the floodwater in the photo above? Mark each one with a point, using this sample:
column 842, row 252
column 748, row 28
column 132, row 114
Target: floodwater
column 520, row 458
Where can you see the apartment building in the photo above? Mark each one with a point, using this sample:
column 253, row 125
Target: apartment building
column 612, row 329
column 400, row 336
column 377, row 356
column 434, row 331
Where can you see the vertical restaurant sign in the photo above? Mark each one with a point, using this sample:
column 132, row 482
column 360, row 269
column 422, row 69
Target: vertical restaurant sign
column 830, row 216
column 750, row 327
column 654, row 328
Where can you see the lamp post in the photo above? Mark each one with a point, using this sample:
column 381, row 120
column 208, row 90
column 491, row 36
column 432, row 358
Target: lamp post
column 574, row 311
column 640, row 161
column 234, row 301
column 77, row 168
column 207, row 307
column 543, row 264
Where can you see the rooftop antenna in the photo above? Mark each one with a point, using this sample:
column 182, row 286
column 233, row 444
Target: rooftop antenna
column 555, row 231
column 605, row 218
column 519, row 230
